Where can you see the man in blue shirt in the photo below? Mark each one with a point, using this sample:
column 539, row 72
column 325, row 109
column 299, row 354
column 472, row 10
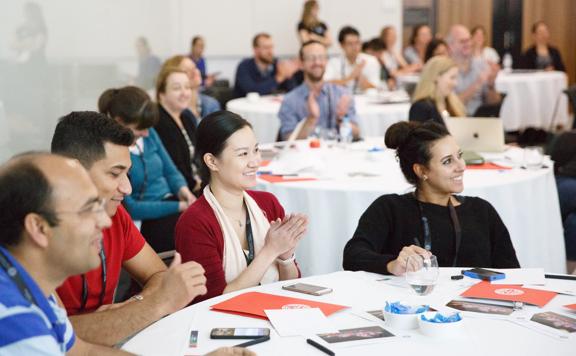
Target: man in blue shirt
column 263, row 73
column 50, row 228
column 315, row 103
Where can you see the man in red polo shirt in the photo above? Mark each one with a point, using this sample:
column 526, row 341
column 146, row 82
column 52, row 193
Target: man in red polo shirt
column 101, row 145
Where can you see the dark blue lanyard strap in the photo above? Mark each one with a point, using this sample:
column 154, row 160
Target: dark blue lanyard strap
column 249, row 240
column 104, row 279
column 455, row 224
column 13, row 274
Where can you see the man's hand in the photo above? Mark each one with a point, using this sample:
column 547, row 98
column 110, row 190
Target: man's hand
column 313, row 108
column 357, row 70
column 285, row 69
column 186, row 198
column 398, row 266
column 231, row 351
column 181, row 283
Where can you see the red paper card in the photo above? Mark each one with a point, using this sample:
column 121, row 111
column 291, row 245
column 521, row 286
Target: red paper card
column 487, row 165
column 253, row 304
column 570, row 306
column 280, row 179
column 509, row 292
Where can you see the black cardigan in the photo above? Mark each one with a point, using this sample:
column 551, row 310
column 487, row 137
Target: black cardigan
column 529, row 59
column 393, row 221
column 424, row 110
column 175, row 143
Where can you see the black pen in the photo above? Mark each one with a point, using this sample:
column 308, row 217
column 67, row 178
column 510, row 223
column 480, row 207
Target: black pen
column 556, row 276
column 254, row 342
column 327, row 351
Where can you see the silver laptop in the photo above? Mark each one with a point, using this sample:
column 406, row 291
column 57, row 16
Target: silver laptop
column 478, row 134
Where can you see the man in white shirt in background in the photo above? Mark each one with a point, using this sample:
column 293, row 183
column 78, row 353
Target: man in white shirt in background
column 353, row 69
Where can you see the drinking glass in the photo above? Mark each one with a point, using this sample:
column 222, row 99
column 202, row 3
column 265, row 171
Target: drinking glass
column 422, row 273
column 533, row 157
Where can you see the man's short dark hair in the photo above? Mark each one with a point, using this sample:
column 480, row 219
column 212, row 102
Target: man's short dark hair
column 24, row 189
column 82, row 135
column 374, row 44
column 345, row 31
column 195, row 39
column 257, row 38
column 306, row 44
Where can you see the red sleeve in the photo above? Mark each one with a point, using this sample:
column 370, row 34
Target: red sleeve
column 133, row 239
column 198, row 238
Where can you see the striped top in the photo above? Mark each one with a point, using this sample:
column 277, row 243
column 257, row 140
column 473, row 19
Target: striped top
column 26, row 328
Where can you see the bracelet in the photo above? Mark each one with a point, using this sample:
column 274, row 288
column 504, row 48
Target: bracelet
column 286, row 262
column 137, row 297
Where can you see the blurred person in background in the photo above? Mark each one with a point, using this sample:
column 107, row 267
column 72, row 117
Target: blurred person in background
column 159, row 191
column 197, row 56
column 542, row 55
column 479, row 47
column 200, row 104
column 395, row 63
column 476, row 76
column 263, row 73
column 148, row 64
column 436, row 47
column 310, row 27
column 353, row 69
column 434, row 98
column 416, row 51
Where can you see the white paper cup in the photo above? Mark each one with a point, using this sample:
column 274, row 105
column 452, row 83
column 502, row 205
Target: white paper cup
column 253, row 97
column 440, row 330
column 401, row 321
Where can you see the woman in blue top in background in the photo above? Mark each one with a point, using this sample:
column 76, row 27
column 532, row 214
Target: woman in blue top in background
column 159, row 191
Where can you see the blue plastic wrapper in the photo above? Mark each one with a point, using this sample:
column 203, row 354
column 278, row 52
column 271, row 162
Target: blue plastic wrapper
column 399, row 308
column 440, row 318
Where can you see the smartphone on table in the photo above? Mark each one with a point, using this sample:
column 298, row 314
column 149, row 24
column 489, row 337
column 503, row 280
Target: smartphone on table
column 307, row 289
column 239, row 333
column 484, row 274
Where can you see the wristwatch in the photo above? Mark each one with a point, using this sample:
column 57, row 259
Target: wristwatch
column 286, row 262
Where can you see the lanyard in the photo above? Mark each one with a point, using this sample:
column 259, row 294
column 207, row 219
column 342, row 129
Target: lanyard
column 455, row 224
column 12, row 272
column 343, row 75
column 249, row 240
column 85, row 282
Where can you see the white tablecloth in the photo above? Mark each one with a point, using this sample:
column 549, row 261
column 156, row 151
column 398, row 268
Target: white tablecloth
column 527, row 202
column 363, row 292
column 373, row 119
column 531, row 98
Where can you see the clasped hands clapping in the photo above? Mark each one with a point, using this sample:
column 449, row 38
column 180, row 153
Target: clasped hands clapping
column 283, row 236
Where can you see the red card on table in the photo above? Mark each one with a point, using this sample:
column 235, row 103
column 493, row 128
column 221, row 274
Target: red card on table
column 509, row 292
column 487, row 165
column 570, row 306
column 270, row 178
column 253, row 304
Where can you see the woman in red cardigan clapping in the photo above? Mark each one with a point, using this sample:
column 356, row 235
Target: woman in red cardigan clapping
column 241, row 237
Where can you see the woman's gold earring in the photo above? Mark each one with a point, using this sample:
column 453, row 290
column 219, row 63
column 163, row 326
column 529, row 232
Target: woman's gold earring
column 425, row 177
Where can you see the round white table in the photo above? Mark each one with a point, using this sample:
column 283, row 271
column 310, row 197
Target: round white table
column 364, row 292
column 348, row 180
column 531, row 98
column 373, row 118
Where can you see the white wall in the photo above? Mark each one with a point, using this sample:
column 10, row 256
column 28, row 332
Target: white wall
column 90, row 47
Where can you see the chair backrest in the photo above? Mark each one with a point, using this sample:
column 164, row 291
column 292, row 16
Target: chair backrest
column 571, row 93
column 490, row 110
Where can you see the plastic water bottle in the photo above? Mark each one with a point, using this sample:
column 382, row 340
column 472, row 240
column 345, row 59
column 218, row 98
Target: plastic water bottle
column 507, row 62
column 346, row 130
